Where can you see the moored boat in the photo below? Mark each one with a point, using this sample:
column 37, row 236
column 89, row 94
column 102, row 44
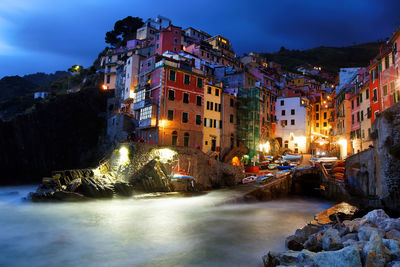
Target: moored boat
column 272, row 166
column 249, row 179
column 282, row 173
column 285, row 167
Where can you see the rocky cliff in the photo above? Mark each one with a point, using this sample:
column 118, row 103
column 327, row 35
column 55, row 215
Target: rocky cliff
column 61, row 134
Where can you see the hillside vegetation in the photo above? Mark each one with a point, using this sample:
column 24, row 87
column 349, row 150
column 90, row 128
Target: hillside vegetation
column 331, row 59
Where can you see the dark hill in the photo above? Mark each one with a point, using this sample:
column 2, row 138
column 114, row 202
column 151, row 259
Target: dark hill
column 330, row 58
column 12, row 86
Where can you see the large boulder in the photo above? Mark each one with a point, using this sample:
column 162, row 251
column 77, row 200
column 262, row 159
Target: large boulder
column 153, row 177
column 392, row 245
column 346, row 257
column 393, row 234
column 94, row 188
column 354, row 225
column 375, row 253
column 294, row 242
column 376, row 216
column 123, row 189
column 271, row 259
column 288, row 257
column 365, row 232
column 306, row 258
column 331, row 240
column 314, row 242
column 350, row 236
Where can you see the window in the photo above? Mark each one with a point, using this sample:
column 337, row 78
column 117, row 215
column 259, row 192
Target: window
column 198, row 119
column 208, row 105
column 219, row 107
column 317, row 116
column 216, row 107
column 217, row 92
column 358, row 116
column 387, row 62
column 185, row 98
column 171, row 94
column 367, row 94
column 202, row 53
column 283, row 112
column 317, row 125
column 352, row 104
column 186, row 139
column 352, row 118
column 284, row 122
column 158, row 36
column 325, row 124
column 199, row 83
column 198, row 100
column 325, row 115
column 170, row 115
column 292, row 122
column 375, row 95
column 175, row 40
column 215, row 123
column 174, row 138
column 208, row 90
column 187, row 79
column 292, row 112
column 317, row 108
column 184, row 117
column 362, row 115
column 360, row 98
column 286, row 144
column 231, row 102
column 208, row 55
column 172, row 75
column 108, row 78
column 358, row 102
column 211, row 105
column 145, row 113
column 220, row 124
column 392, row 87
column 231, row 118
column 385, row 90
column 282, row 102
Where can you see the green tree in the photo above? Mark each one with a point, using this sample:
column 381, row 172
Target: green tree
column 123, row 31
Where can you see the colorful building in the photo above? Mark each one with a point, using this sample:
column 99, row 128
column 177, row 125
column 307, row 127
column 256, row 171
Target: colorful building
column 212, row 119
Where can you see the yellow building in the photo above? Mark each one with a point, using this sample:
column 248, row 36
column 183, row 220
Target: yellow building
column 212, row 120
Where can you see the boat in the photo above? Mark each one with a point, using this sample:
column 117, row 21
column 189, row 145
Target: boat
column 249, row 179
column 282, row 173
column 263, row 165
column 285, row 167
column 270, row 158
column 272, row 166
column 291, row 157
column 265, row 178
column 182, row 177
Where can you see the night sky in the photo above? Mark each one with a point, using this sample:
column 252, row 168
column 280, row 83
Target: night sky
column 50, row 35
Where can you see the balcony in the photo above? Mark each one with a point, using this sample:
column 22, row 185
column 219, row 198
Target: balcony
column 141, row 104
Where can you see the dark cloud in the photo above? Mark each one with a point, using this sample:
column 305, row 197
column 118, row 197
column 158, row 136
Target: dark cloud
column 52, row 35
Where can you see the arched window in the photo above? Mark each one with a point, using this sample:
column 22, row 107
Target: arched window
column 174, row 138
column 186, row 139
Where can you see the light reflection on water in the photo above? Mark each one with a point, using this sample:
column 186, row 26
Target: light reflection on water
column 168, row 231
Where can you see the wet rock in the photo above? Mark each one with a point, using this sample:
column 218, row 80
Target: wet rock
column 365, row 232
column 123, row 189
column 346, row 257
column 393, row 234
column 306, row 258
column 388, row 224
column 94, row 188
column 351, row 236
column 395, row 263
column 375, row 253
column 288, row 257
column 354, row 225
column 68, row 196
column 294, row 242
column 331, row 240
column 376, row 216
column 271, row 259
column 392, row 245
column 314, row 242
column 152, row 178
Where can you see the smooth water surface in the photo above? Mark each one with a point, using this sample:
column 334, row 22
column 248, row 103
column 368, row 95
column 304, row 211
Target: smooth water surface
column 156, row 231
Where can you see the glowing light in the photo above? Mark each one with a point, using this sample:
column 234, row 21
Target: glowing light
column 162, row 123
column 301, row 140
column 342, row 142
column 104, row 87
column 166, row 154
column 131, row 94
column 123, row 156
column 266, row 147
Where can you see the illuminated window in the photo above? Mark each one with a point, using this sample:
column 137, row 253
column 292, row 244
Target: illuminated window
column 145, row 113
column 139, row 96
